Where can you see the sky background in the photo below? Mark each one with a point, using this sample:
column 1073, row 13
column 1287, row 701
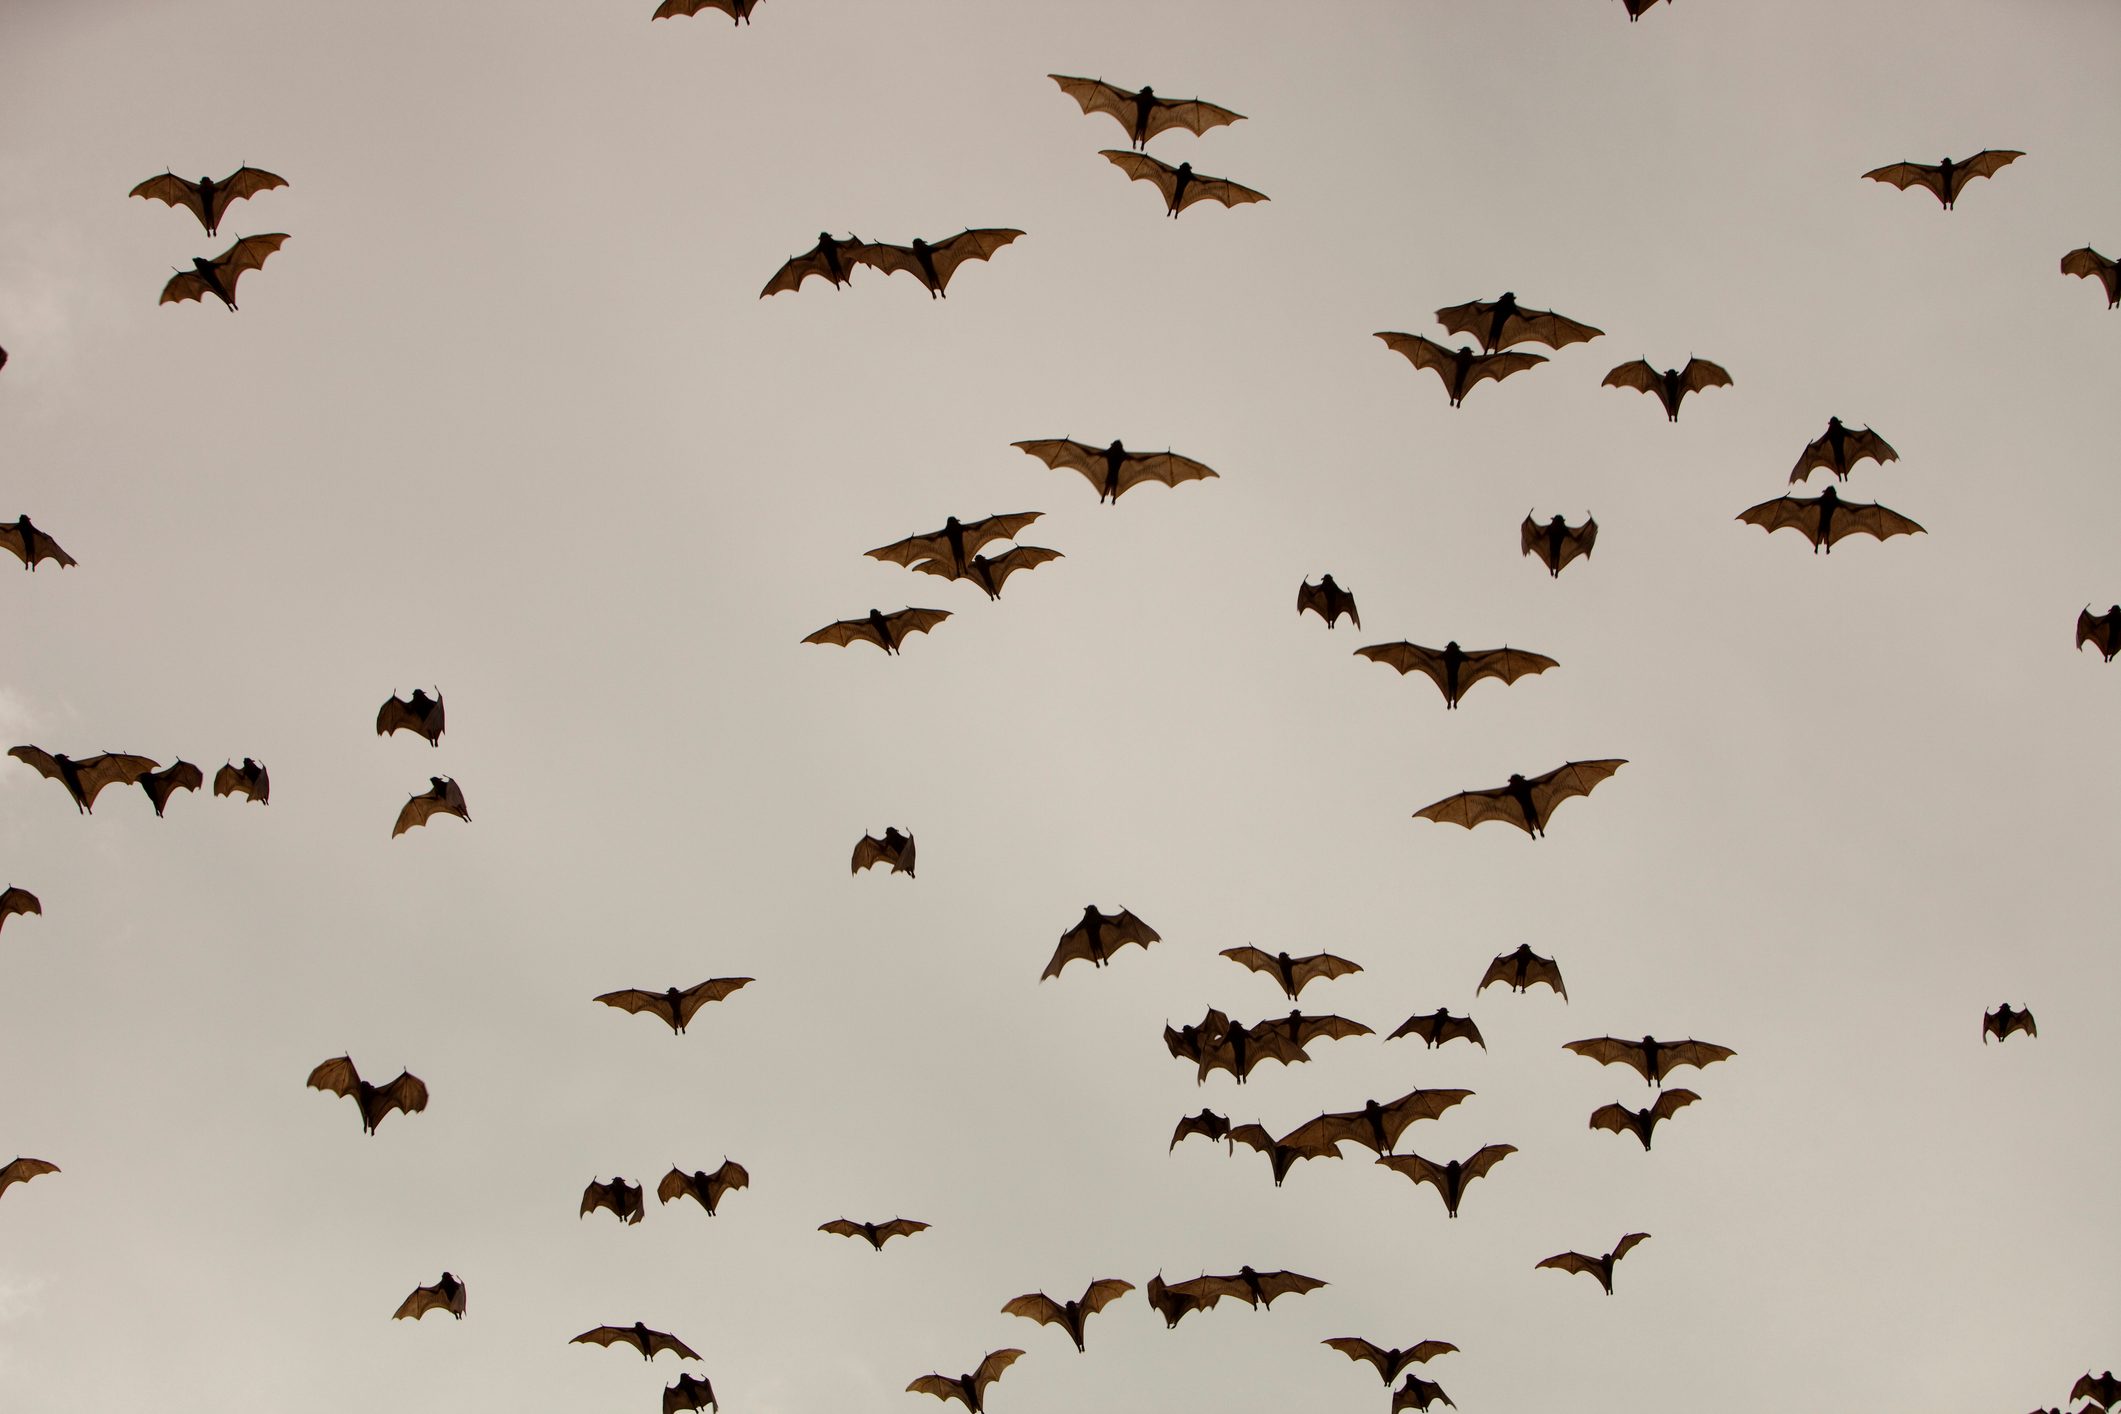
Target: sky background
column 506, row 416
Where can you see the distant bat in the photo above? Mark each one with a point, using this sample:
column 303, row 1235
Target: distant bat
column 1377, row 1127
column 217, row 277
column 886, row 631
column 1453, row 669
column 622, row 1198
column 1293, row 973
column 933, row 265
column 956, row 543
column 1258, row 1288
column 1207, row 1122
column 1641, row 1123
column 22, row 1171
column 1418, row 1393
column 1500, row 323
column 706, row 1189
column 1557, row 542
column 1097, row 936
column 206, row 198
column 407, row 1093
column 1114, row 470
column 1652, row 1059
column 1462, row 370
column 442, row 797
column 1175, row 1302
column 1438, row 1027
column 447, row 1294
column 1838, row 449
column 2102, row 631
column 15, row 901
column 969, row 1389
column 693, row 1391
column 833, row 259
column 894, row 849
column 250, row 780
column 1527, row 804
column 32, row 545
column 1826, row 518
column 1523, row 969
column 2088, row 264
column 1670, row 386
column 673, row 1007
column 1142, row 113
column 85, row 779
column 1449, row 1179
column 990, row 575
column 875, row 1234
column 161, row 785
column 1181, row 185
column 1389, row 1362
column 1282, row 1153
column 739, row 12
column 422, row 716
column 649, row 1343
column 2105, row 1391
column 2001, row 1022
column 1327, row 600
column 1600, row 1267
column 1068, row 1315
column 1948, row 178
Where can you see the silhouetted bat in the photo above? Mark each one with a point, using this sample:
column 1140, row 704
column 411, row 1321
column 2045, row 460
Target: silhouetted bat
column 1068, row 1315
column 739, row 12
column 1461, row 370
column 85, row 779
column 1636, row 9
column 649, row 1343
column 22, row 1171
column 875, row 1234
column 933, row 265
column 407, row 1093
column 32, row 545
column 249, row 780
column 894, row 849
column 447, row 1294
column 1389, row 1362
column 1181, row 185
column 422, row 716
column 1258, row 1288
column 675, row 1008
column 217, row 277
column 833, row 259
column 886, row 631
column 1173, row 1303
column 1449, row 1179
column 1300, row 1030
column 956, row 543
column 1142, row 113
column 1838, row 450
column 967, row 1389
column 1670, row 386
column 1375, row 1126
column 1557, row 542
column 1600, row 1267
column 1527, row 804
column 161, row 785
column 1436, row 1028
column 1190, row 1042
column 1522, row 969
column 1327, row 600
column 691, row 1391
column 1501, row 323
column 2088, row 264
column 704, row 1188
column 1281, row 1153
column 1294, row 973
column 991, row 574
column 206, row 198
column 15, row 901
column 1641, row 1123
column 1652, row 1059
column 1453, row 669
column 2102, row 631
column 622, row 1198
column 2105, row 1391
column 1948, row 178
column 1241, row 1048
column 1114, row 470
column 1097, row 936
column 1418, row 1393
column 1207, row 1122
column 1826, row 518
column 2001, row 1022
column 442, row 797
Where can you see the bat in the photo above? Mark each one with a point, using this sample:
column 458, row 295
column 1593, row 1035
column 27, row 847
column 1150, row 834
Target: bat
column 1389, row 1362
column 1173, row 1303
column 1207, row 1122
column 691, row 1391
column 1181, row 185
column 1142, row 113
column 1300, row 1030
column 1826, row 518
column 1327, row 600
column 991, row 574
column 954, row 545
column 673, row 1007
column 886, row 631
column 1521, row 970
column 2102, row 631
column 1557, row 542
column 206, row 198
column 1114, row 470
column 933, row 265
column 967, row 1389
column 1838, row 450
column 1527, row 804
column 407, row 1093
column 32, row 545
column 1653, row 1059
column 1461, row 370
column 447, row 1294
column 704, row 1188
column 1375, row 1126
column 1500, row 323
column 1293, row 973
column 249, row 780
column 649, row 1343
column 2088, row 264
column 1636, row 10
column 1436, row 1028
column 832, row 259
column 1282, row 1153
column 422, row 716
column 22, row 1171
column 14, row 901
column 217, row 277
column 1600, row 1267
column 1453, row 669
column 1449, row 1179
column 1240, row 1048
column 1189, row 1042
column 161, row 785
column 622, row 1198
column 1258, row 1288
column 893, row 849
column 2105, row 1391
column 1948, row 178
column 875, row 1234
column 1418, row 1393
column 442, row 797
column 2001, row 1022
column 1097, row 936
column 1641, row 1123
column 85, row 779
column 739, row 12
column 1670, row 386
column 1068, row 1315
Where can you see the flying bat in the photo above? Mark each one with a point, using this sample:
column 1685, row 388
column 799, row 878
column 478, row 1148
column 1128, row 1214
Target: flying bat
column 1175, row 1302
column 85, row 779
column 622, row 1198
column 1240, row 1048
column 2102, row 631
column 1838, row 449
column 22, row 1171
column 217, row 277
column 1523, row 969
column 1557, row 542
column 206, row 198
column 1068, row 1315
column 1097, row 936
column 1181, row 185
column 692, row 1391
column 1300, row 1030
column 161, row 785
column 1418, row 1393
column 1500, row 323
column 422, row 716
column 447, row 1294
column 886, row 631
column 2088, row 264
column 649, row 1343
column 1293, row 973
column 1636, row 10
column 1826, row 518
column 15, row 901
column 875, row 1234
column 1670, row 386
column 1377, row 1127
column 1600, row 1267
column 2105, row 1391
column 1389, row 1361
column 1258, row 1288
column 1948, row 178
column 1281, row 1153
column 1653, row 1059
column 1527, row 804
column 933, row 265
column 1453, row 669
column 893, row 849
column 1191, row 1042
column 832, row 259
column 32, row 545
column 1141, row 112
column 442, row 797
column 1449, row 1179
column 407, row 1093
column 1207, row 1122
column 739, row 12
column 250, row 780
column 1114, row 470
column 1437, row 1027
column 1327, row 600
column 1459, row 370
column 675, row 1008
column 956, row 543
column 2001, row 1022
column 1641, row 1123
column 990, row 575
column 704, row 1188
column 967, row 1389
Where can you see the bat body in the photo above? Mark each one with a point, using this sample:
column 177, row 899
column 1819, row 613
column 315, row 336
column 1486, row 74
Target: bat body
column 422, row 716
column 933, row 265
column 1097, row 936
column 206, row 198
column 22, row 1171
column 739, row 12
column 1500, row 323
column 1652, row 1059
column 1181, row 185
column 2088, row 264
column 85, row 779
column 1826, row 518
column 1293, row 973
column 956, row 543
column 447, row 1294
column 1436, row 1028
column 161, row 785
column 1281, row 1153
column 1389, row 1361
column 675, row 1007
column 704, row 1188
column 1838, row 449
column 886, row 631
column 875, row 1234
column 14, row 901
column 1258, row 1288
column 622, row 1198
column 1527, row 804
column 1449, row 1179
column 1207, row 1122
column 1453, row 670
column 1522, row 969
column 1327, row 600
column 692, row 1391
column 968, row 1389
column 407, row 1093
column 1377, row 1127
column 830, row 258
column 1948, row 178
column 2102, row 631
column 1418, row 1393
column 894, row 849
column 1114, row 470
column 649, row 1343
column 1670, row 386
column 250, row 780
column 1460, row 370
column 32, row 545
column 1641, row 1123
column 442, row 797
column 2105, row 1391
column 218, row 276
column 1141, row 112
column 990, row 575
column 1174, row 1303
column 1600, row 1267
column 1069, row 1315
column 2001, row 1022
column 1557, row 542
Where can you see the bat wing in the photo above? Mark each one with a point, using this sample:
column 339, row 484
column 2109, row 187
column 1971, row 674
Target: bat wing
column 871, row 849
column 1637, row 375
column 1694, row 1053
column 423, row 807
column 1574, row 1262
column 898, row 1227
column 840, row 1227
column 1470, row 319
column 187, row 284
column 1422, row 353
column 423, row 1300
column 1144, row 168
column 941, row 1386
column 161, row 785
column 246, row 254
column 907, row 621
column 113, row 768
column 1543, row 326
column 1799, row 513
column 1858, row 518
column 1254, row 959
column 1356, row 1348
column 1191, row 114
column 1507, row 664
column 1910, row 174
column 1415, row 1168
column 1322, row 965
column 1628, row 1244
column 1036, row 1306
column 1700, row 373
column 397, row 715
column 634, row 999
column 407, row 1093
column 1074, row 944
column 675, row 1185
column 1989, row 162
column 1855, row 446
column 1419, row 1105
column 1023, row 557
column 1255, row 1136
column 22, row 1171
column 228, row 780
column 990, row 1369
column 338, row 1076
column 2088, row 264
column 713, row 990
column 1103, row 1292
column 1474, row 807
column 176, row 192
column 1408, row 658
column 660, row 1341
column 1126, row 928
column 882, row 255
column 604, row 1335
column 969, row 244
column 1220, row 189
column 1568, row 780
column 1064, row 455
column 1610, row 1050
column 1312, row 597
column 801, row 267
column 1335, row 1028
column 15, row 901
column 1097, row 96
column 1669, row 1103
column 1207, row 1122
column 1616, row 1117
column 1273, row 1284
column 1166, row 467
column 1485, row 1158
column 1418, row 1394
column 844, row 632
column 1499, row 366
column 246, row 182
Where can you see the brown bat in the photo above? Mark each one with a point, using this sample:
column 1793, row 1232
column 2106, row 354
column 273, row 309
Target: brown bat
column 250, row 780
column 1258, row 1288
column 875, row 1234
column 217, row 277
column 704, row 1188
column 990, row 575
column 1641, row 1123
column 1375, row 1126
column 442, row 797
column 32, row 545
column 649, row 1343
column 830, row 258
column 893, row 849
column 1557, row 542
column 2001, row 1022
column 422, row 716
column 1293, row 973
column 1462, row 370
column 1449, row 1179
column 206, row 198
column 1097, row 936
column 886, row 631
column 1327, row 600
column 407, row 1093
column 2087, row 264
column 1523, row 969
column 739, row 12
column 1527, row 804
column 1389, row 1361
column 1207, row 1122
column 933, row 265
column 967, row 1389
column 1948, row 178
column 1500, row 323
column 675, row 1008
column 1670, row 386
column 161, row 785
column 1174, row 1303
column 85, row 779
column 1418, row 1393
column 447, row 1294
column 1141, row 112
column 1114, row 470
column 1653, row 1059
column 1070, row 1316
column 1636, row 10
column 14, row 901
column 1437, row 1027
column 2102, row 631
column 1826, row 518
column 1300, row 1030
column 1281, row 1153
column 1190, row 1042
column 1181, row 185
column 955, row 544
column 1241, row 1048
column 1453, row 669
column 22, row 1171
column 622, row 1198
column 692, row 1391
column 1600, row 1267
column 1838, row 449
column 2105, row 1391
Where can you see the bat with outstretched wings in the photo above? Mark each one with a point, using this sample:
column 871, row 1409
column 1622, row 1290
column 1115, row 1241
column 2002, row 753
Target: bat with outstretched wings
column 406, row 1094
column 1240, row 1049
column 1500, row 323
column 968, row 1389
column 2005, row 1019
column 421, row 715
column 206, row 198
column 886, row 631
column 1672, row 385
column 1376, row 1126
column 990, row 575
column 1522, row 969
column 894, row 849
column 2104, row 1390
column 1525, row 803
column 1140, row 111
column 1114, row 470
column 1838, row 449
column 1439, row 1026
column 22, row 1171
column 933, row 265
column 1207, row 1122
column 1461, row 369
column 622, row 1198
column 85, row 779
column 1096, row 937
column 704, row 1188
column 1389, row 1360
column 1652, row 1059
column 2087, row 264
column 1449, row 1179
column 249, row 780
column 1070, row 1316
column 31, row 545
column 1418, row 1393
column 447, row 1294
column 443, row 796
column 218, row 276
column 675, row 1007
column 875, row 1234
column 1947, row 179
column 1281, row 1153
column 1181, row 185
column 2102, row 631
column 1327, row 600
column 1179, row 1299
column 1258, row 1288
column 1293, row 973
column 1642, row 1123
column 1453, row 669
column 1826, row 518
column 956, row 543
column 161, row 785
column 831, row 259
column 1557, row 542
column 650, row 1343
column 1600, row 1267
column 691, row 1391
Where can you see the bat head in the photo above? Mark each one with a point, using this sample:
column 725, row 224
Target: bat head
column 1517, row 780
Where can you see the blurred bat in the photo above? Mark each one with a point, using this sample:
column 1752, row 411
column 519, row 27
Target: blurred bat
column 954, row 545
column 2001, row 1022
column 1500, row 323
column 832, row 259
column 2102, row 631
column 442, row 797
column 1174, row 1303
column 161, row 785
column 1641, row 1123
column 1258, row 1288
column 1826, row 518
column 1523, row 969
column 1670, row 386
column 1460, row 370
column 1068, row 1315
column 649, row 1343
column 1181, row 185
column 1207, row 1122
column 1436, row 1028
column 622, row 1198
column 1557, row 542
column 85, row 779
column 893, row 849
column 886, row 631
column 15, row 901
column 32, row 545
column 1652, row 1059
column 2088, row 264
column 1293, row 973
column 1418, row 1393
column 1389, row 1362
column 1600, row 1267
column 990, row 575
column 1527, row 804
column 967, row 1389
column 407, row 1093
column 447, row 1294
column 1838, row 450
column 1375, row 1126
column 1948, row 178
column 933, row 265
column 422, row 716
column 1327, row 600
column 692, row 1391
column 217, row 277
column 1097, row 936
column 249, row 780
column 1142, row 113
column 704, row 1188
column 1453, row 669
column 739, row 12
column 1114, row 470
column 206, row 198
column 1282, row 1153
column 22, row 1171
column 1449, row 1179
column 675, row 1008
column 875, row 1234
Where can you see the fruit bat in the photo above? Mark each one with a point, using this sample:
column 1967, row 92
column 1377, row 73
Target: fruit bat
column 407, row 1093
column 161, row 785
column 2102, row 631
column 206, row 198
column 1173, row 1303
column 1826, row 518
column 893, row 849
column 1142, row 113
column 1641, row 1123
column 875, row 1234
column 1181, row 185
column 217, row 277
column 1449, row 1179
column 1389, row 1362
column 1189, row 1042
column 1670, row 386
column 2088, row 264
column 622, row 1198
column 886, row 631
column 442, row 797
column 1438, row 1027
column 649, row 1343
column 1461, row 370
column 1636, row 10
column 1600, row 1267
column 422, row 716
column 15, row 901
column 22, row 1171
column 2105, row 1391
column 1418, row 1393
column 1375, row 1126
column 85, row 779
column 1501, row 323
column 1281, row 1153
column 447, row 1294
column 1240, row 1048
column 1258, row 1288
column 833, row 259
column 1114, row 470
column 1521, row 970
column 956, row 543
column 1652, row 1059
column 704, row 1188
column 249, row 780
column 1453, row 669
column 1838, row 449
column 691, row 1391
column 1068, row 1315
column 739, row 12
column 1948, row 178
column 967, row 1389
column 1300, row 1030
column 1527, row 804
column 1207, row 1122
column 991, row 574
column 1097, row 936
column 1327, row 600
column 2001, row 1022
column 1293, row 973
column 32, row 545
column 673, row 1007
column 933, row 265
column 1557, row 542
